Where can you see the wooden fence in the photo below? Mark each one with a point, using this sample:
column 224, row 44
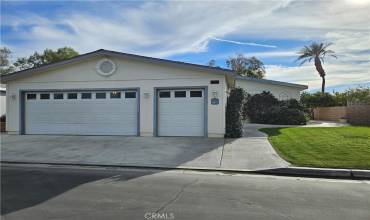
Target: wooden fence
column 330, row 113
column 358, row 114
column 355, row 114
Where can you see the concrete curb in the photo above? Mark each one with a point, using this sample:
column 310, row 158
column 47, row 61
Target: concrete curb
column 287, row 171
column 319, row 172
column 364, row 174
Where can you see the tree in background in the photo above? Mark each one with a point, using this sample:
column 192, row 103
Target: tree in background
column 211, row 63
column 245, row 66
column 60, row 54
column 358, row 95
column 5, row 64
column 48, row 56
column 317, row 99
column 255, row 68
column 316, row 52
column 34, row 60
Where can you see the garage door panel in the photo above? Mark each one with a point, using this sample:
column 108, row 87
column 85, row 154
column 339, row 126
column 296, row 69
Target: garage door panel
column 181, row 116
column 46, row 119
column 179, row 131
column 175, row 108
column 79, row 129
column 82, row 116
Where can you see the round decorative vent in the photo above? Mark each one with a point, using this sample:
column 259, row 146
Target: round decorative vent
column 106, row 67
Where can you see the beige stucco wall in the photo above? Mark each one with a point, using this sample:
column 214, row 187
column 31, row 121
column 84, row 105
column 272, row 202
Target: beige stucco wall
column 129, row 74
column 279, row 91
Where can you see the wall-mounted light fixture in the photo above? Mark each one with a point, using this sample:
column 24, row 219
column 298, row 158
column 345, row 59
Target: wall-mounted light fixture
column 214, row 94
column 146, row 95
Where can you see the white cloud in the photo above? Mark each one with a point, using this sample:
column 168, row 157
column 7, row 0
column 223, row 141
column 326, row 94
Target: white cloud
column 336, row 74
column 243, row 43
column 168, row 28
column 156, row 29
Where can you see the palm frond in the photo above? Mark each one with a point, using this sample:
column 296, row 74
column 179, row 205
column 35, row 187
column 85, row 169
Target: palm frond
column 315, row 49
column 327, row 45
column 303, row 58
column 304, row 61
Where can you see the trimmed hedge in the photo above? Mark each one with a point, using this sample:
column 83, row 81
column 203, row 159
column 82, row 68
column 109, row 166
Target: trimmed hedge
column 234, row 123
column 282, row 115
column 264, row 108
column 257, row 106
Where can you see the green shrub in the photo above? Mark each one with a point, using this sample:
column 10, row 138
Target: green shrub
column 244, row 106
column 258, row 104
column 340, row 98
column 234, row 124
column 283, row 115
column 318, row 99
column 358, row 95
column 266, row 109
column 292, row 103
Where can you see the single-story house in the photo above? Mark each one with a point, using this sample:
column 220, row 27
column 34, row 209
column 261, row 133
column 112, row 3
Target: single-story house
column 112, row 93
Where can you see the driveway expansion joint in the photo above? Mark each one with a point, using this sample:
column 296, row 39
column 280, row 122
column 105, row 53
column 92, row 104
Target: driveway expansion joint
column 222, row 152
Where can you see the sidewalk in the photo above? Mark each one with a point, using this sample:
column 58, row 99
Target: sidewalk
column 250, row 154
column 287, row 171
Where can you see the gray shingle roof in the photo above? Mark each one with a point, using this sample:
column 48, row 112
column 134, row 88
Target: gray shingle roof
column 102, row 52
column 272, row 82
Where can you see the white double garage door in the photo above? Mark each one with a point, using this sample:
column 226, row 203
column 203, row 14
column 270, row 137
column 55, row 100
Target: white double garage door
column 112, row 112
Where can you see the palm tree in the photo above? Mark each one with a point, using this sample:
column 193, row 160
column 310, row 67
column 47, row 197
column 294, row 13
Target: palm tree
column 316, row 52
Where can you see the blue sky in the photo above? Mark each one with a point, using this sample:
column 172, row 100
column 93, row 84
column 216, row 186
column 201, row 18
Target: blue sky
column 198, row 31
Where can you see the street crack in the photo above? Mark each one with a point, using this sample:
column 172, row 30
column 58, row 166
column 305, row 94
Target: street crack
column 176, row 196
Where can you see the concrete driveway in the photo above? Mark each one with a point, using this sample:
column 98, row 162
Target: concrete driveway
column 189, row 152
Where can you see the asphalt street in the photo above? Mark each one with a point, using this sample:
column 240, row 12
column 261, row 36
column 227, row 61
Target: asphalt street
column 94, row 193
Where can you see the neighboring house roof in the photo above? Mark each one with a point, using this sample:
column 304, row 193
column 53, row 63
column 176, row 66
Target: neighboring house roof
column 272, row 82
column 102, row 52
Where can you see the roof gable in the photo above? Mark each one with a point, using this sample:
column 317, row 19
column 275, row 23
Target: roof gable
column 28, row 72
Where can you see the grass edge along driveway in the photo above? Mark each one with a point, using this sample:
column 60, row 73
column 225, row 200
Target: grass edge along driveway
column 336, row 147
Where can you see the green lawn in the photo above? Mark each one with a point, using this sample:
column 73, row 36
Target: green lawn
column 341, row 147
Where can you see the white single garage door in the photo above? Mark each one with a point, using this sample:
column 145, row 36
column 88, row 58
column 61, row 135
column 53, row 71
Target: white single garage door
column 181, row 112
column 81, row 113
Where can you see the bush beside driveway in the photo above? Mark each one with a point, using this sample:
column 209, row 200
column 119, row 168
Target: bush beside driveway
column 337, row 147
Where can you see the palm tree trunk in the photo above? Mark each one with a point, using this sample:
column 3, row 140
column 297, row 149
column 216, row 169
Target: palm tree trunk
column 323, row 84
column 321, row 72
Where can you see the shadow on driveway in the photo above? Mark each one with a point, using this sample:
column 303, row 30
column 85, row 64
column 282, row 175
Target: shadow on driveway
column 114, row 150
column 27, row 187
